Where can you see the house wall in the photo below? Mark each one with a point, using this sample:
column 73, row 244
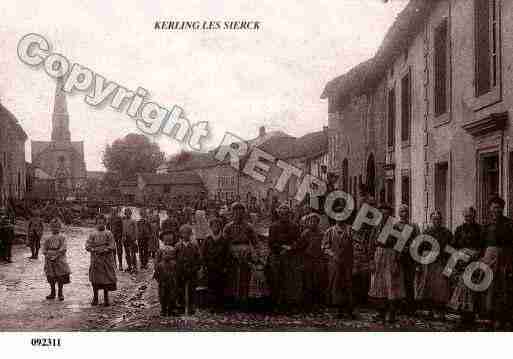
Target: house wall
column 12, row 163
column 443, row 139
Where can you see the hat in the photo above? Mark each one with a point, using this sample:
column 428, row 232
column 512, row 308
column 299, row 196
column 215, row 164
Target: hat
column 238, row 205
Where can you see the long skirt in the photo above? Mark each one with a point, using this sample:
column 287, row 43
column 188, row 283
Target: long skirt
column 340, row 288
column 463, row 299
column 102, row 272
column 239, row 274
column 57, row 271
column 291, row 279
column 387, row 281
column 431, row 285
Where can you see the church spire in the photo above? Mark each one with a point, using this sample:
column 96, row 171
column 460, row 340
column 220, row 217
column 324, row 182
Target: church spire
column 60, row 118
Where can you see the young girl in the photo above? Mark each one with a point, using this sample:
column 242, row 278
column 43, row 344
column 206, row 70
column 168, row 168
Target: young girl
column 56, row 267
column 102, row 271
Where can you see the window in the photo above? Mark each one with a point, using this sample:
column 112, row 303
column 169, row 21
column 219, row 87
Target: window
column 406, row 107
column 487, row 45
column 390, row 191
column 489, row 181
column 441, row 65
column 406, row 190
column 391, row 118
column 441, row 190
column 345, row 175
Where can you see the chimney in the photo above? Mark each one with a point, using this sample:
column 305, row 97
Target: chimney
column 261, row 131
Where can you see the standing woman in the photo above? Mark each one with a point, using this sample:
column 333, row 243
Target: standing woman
column 467, row 239
column 102, row 272
column 387, row 276
column 241, row 239
column 56, row 267
column 498, row 255
column 338, row 247
column 431, row 285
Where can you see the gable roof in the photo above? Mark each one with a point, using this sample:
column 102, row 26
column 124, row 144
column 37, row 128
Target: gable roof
column 171, row 178
column 406, row 26
column 309, row 145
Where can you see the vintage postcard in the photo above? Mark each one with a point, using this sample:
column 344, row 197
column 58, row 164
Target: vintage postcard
column 314, row 166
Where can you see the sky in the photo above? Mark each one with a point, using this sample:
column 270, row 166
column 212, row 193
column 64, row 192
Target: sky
column 235, row 80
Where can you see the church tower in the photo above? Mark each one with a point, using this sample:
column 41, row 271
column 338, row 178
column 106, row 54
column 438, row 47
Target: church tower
column 60, row 118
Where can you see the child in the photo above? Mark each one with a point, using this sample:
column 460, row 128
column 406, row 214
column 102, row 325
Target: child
column 165, row 274
column 188, row 264
column 56, row 267
column 169, row 241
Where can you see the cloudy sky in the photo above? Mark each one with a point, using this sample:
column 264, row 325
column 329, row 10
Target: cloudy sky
column 236, row 80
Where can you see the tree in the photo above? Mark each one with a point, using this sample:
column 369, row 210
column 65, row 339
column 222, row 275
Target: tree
column 132, row 154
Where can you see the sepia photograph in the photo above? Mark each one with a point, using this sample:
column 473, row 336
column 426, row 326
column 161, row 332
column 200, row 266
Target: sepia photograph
column 243, row 166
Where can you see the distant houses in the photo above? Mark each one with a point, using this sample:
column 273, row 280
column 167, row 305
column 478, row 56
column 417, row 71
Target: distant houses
column 225, row 183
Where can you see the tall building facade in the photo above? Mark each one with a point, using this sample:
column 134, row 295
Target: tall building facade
column 12, row 157
column 442, row 80
column 61, row 158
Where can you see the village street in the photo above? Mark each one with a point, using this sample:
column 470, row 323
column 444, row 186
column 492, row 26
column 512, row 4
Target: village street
column 135, row 305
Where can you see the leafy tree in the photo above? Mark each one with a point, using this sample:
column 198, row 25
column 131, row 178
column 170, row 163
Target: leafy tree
column 132, row 154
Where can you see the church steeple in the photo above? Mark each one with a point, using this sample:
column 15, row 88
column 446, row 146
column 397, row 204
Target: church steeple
column 60, row 118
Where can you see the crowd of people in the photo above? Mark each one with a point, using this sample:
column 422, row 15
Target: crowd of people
column 218, row 258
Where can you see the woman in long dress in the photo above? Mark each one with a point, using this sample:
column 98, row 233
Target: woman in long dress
column 241, row 238
column 467, row 238
column 337, row 245
column 387, row 277
column 56, row 267
column 102, row 271
column 431, row 285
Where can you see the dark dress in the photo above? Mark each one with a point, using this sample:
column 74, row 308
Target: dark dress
column 314, row 268
column 187, row 266
column 337, row 244
column 431, row 285
column 498, row 255
column 102, row 271
column 216, row 258
column 467, row 238
column 241, row 238
column 285, row 272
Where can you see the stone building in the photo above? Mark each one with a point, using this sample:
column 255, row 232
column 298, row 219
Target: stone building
column 439, row 84
column 153, row 187
column 12, row 157
column 61, row 158
column 223, row 182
